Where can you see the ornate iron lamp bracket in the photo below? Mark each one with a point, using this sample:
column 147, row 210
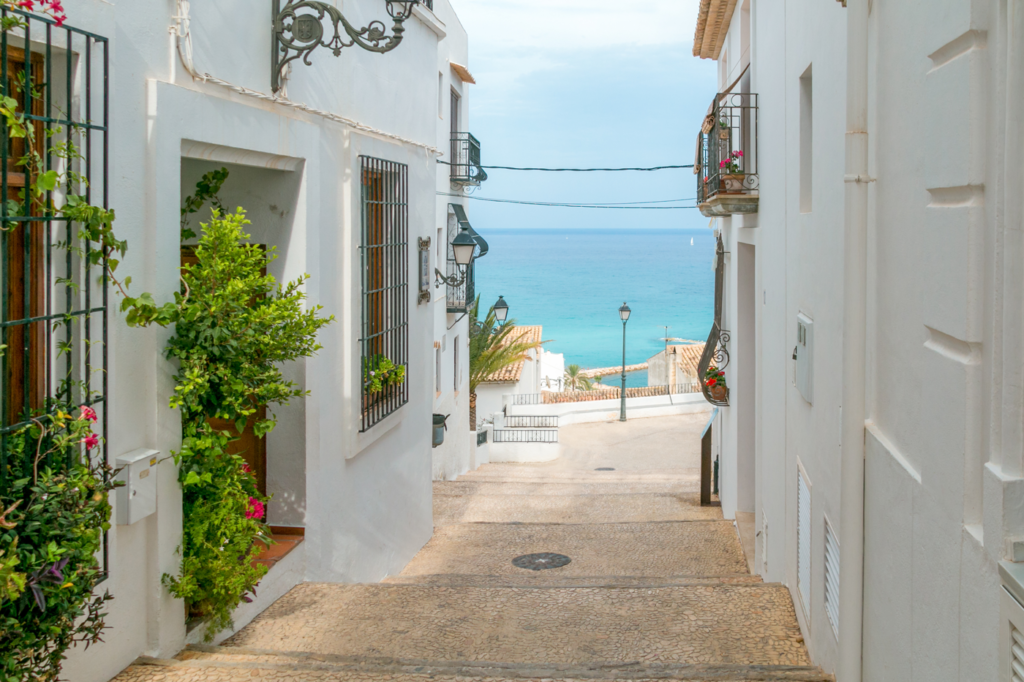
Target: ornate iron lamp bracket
column 297, row 33
column 440, row 278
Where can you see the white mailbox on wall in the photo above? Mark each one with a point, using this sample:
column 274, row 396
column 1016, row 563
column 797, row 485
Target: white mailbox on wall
column 804, row 356
column 136, row 499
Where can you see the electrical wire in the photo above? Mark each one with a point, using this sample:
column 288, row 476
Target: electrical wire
column 572, row 170
column 554, row 204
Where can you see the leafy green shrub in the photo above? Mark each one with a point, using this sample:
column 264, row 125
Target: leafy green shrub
column 55, row 510
column 380, row 372
column 235, row 326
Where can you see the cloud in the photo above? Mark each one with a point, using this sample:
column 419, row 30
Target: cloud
column 560, row 25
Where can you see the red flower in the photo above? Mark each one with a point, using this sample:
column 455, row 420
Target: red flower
column 246, row 469
column 88, row 413
column 712, row 382
column 256, row 509
column 91, row 441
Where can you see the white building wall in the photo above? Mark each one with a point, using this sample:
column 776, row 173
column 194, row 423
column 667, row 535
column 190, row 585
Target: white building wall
column 942, row 450
column 451, row 330
column 364, row 498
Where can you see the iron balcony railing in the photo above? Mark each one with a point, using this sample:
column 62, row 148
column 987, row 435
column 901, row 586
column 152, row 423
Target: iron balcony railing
column 716, row 349
column 603, row 393
column 521, row 436
column 726, row 158
column 465, row 160
column 531, row 421
column 460, row 297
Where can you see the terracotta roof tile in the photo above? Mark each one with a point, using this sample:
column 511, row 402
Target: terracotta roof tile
column 513, row 372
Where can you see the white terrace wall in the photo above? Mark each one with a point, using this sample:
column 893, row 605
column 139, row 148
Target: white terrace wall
column 364, row 498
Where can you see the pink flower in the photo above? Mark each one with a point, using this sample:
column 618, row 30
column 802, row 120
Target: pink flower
column 256, row 509
column 91, row 441
column 88, row 413
column 246, row 468
column 722, row 163
column 737, row 153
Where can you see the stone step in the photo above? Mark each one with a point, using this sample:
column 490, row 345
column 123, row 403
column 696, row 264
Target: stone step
column 227, row 664
column 543, row 580
column 592, row 488
column 537, row 473
column 610, row 508
column 743, row 624
column 666, row 548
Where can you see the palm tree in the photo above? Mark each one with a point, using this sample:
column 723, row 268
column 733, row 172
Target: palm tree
column 574, row 379
column 491, row 349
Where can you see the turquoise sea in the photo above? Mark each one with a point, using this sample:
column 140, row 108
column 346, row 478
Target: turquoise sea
column 572, row 281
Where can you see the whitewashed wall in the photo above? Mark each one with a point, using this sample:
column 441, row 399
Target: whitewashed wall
column 942, row 453
column 365, row 499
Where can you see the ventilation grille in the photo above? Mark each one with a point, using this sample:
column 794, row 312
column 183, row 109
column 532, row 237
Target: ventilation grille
column 803, row 541
column 1016, row 655
column 832, row 578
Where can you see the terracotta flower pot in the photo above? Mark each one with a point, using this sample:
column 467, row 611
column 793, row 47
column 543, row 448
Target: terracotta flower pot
column 732, row 183
column 719, row 392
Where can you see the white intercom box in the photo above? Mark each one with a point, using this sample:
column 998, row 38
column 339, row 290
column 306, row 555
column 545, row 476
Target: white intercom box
column 136, row 499
column 804, row 357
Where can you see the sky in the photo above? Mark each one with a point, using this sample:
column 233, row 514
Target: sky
column 568, row 83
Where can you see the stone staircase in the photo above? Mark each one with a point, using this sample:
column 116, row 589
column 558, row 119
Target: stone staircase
column 656, row 589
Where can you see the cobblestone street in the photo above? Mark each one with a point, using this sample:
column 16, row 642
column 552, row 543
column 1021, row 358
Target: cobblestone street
column 656, row 586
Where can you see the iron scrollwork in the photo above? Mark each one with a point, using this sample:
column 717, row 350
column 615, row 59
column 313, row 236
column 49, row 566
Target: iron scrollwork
column 722, row 350
column 297, row 34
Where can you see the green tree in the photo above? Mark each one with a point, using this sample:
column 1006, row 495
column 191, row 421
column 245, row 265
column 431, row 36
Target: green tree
column 574, row 379
column 491, row 349
column 235, row 326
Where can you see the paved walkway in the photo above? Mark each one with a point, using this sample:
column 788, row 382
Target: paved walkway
column 656, row 586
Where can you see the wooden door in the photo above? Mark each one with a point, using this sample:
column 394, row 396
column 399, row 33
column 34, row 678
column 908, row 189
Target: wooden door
column 24, row 259
column 248, row 446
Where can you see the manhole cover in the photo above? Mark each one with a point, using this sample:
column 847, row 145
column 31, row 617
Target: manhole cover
column 604, row 469
column 539, row 562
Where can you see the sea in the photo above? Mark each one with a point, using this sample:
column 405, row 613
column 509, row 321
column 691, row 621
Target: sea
column 572, row 282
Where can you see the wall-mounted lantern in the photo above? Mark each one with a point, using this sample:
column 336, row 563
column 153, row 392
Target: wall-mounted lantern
column 297, row 33
column 463, row 247
column 501, row 311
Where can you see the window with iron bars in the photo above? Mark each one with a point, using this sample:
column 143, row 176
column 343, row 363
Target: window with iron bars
column 53, row 299
column 385, row 286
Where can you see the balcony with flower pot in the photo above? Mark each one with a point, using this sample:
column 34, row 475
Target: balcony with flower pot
column 726, row 159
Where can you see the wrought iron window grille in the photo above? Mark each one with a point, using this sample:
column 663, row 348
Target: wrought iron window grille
column 716, row 349
column 53, row 299
column 465, row 161
column 296, row 33
column 385, row 268
column 726, row 158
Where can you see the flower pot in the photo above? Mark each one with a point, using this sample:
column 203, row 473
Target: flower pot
column 732, row 183
column 439, row 428
column 719, row 392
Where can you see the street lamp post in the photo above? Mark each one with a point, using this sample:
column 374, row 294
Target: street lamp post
column 624, row 312
column 501, row 311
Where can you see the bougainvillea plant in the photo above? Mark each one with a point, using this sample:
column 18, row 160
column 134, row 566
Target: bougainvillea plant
column 53, row 512
column 235, row 327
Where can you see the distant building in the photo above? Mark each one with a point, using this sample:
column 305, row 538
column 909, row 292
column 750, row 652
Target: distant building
column 675, row 365
column 524, row 376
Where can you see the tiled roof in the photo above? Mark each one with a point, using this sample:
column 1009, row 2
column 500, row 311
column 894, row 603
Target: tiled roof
column 688, row 357
column 513, row 372
column 713, row 19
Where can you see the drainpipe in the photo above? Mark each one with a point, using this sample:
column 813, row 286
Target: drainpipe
column 851, row 533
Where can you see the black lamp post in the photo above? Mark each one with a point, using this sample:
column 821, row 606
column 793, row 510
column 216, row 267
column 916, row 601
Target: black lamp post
column 624, row 312
column 501, row 310
column 463, row 247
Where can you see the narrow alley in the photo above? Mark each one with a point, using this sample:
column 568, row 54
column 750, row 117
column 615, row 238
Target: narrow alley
column 656, row 586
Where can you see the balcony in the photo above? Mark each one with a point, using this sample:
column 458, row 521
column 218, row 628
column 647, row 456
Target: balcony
column 465, row 157
column 726, row 162
column 460, row 298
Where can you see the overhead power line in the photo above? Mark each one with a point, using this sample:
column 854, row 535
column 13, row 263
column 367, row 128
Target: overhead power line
column 573, row 170
column 628, row 205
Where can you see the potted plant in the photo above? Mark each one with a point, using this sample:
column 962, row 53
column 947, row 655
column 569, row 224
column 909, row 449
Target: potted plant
column 379, row 372
column 732, row 175
column 723, row 129
column 714, row 379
